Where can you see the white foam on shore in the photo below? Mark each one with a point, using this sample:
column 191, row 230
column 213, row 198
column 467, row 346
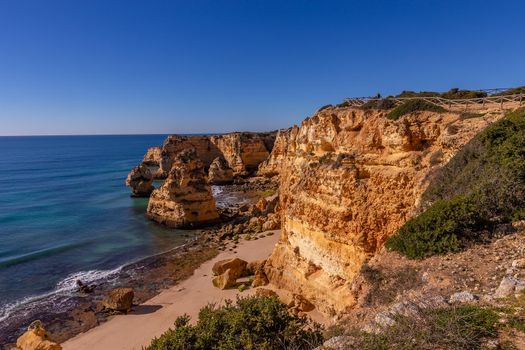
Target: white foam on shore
column 64, row 287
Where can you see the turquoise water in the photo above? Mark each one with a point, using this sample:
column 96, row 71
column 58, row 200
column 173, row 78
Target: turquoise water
column 65, row 214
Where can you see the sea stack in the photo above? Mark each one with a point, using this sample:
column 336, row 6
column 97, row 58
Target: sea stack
column 140, row 180
column 185, row 199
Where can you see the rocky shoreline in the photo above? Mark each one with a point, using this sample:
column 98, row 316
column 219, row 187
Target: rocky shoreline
column 74, row 313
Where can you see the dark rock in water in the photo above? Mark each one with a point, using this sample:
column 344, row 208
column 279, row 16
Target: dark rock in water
column 84, row 288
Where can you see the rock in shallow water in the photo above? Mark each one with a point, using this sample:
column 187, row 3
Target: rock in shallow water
column 140, row 180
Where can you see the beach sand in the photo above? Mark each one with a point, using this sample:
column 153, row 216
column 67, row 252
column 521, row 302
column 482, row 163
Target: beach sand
column 154, row 317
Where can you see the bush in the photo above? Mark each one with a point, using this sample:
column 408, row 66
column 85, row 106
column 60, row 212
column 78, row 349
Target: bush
column 512, row 91
column 456, row 93
column 463, row 327
column 383, row 104
column 413, row 106
column 452, row 94
column 252, row 323
column 482, row 186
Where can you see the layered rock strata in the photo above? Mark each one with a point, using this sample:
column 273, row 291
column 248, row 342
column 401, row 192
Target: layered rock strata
column 244, row 151
column 272, row 165
column 184, row 200
column 153, row 156
column 220, row 172
column 349, row 179
column 140, row 180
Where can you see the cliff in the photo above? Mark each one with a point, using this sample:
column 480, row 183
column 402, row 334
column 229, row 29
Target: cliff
column 243, row 151
column 272, row 165
column 349, row 179
column 184, row 199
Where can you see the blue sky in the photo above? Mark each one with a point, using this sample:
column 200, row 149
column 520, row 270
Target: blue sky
column 119, row 67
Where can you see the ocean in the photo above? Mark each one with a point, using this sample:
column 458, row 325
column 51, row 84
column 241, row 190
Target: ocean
column 66, row 214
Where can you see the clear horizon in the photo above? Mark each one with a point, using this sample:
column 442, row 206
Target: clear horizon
column 133, row 68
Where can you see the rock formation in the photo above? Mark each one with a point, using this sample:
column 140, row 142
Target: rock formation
column 185, row 199
column 140, row 180
column 153, row 156
column 272, row 165
column 36, row 339
column 220, row 172
column 205, row 150
column 349, row 179
column 245, row 151
column 119, row 299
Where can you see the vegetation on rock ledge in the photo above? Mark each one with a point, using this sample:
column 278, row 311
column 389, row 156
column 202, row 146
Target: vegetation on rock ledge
column 413, row 106
column 481, row 187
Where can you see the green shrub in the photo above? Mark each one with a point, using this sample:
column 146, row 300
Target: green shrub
column 413, row 106
column 383, row 104
column 456, row 93
column 470, row 115
column 512, row 91
column 251, row 323
column 482, row 186
column 451, row 328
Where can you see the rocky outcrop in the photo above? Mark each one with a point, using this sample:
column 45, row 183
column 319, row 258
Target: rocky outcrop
column 349, row 179
column 272, row 165
column 35, row 338
column 206, row 151
column 220, row 172
column 153, row 156
column 244, row 151
column 184, row 200
column 140, row 180
column 119, row 299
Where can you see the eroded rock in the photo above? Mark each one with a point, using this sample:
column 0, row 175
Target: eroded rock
column 35, row 338
column 349, row 179
column 119, row 299
column 140, row 180
column 238, row 266
column 220, row 172
column 184, row 200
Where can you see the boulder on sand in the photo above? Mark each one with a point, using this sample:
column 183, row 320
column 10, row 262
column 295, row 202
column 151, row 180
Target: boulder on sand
column 35, row 338
column 226, row 280
column 119, row 299
column 236, row 265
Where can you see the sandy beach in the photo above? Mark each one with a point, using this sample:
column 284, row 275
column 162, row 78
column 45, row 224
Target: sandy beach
column 152, row 318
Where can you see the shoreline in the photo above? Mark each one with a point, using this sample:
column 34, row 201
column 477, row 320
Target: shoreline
column 77, row 312
column 69, row 313
column 156, row 315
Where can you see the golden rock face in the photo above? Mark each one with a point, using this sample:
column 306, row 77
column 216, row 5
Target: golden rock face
column 185, row 198
column 349, row 179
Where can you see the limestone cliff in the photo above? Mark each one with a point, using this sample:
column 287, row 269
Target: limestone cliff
column 184, row 199
column 220, row 173
column 153, row 156
column 244, row 151
column 349, row 179
column 272, row 165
